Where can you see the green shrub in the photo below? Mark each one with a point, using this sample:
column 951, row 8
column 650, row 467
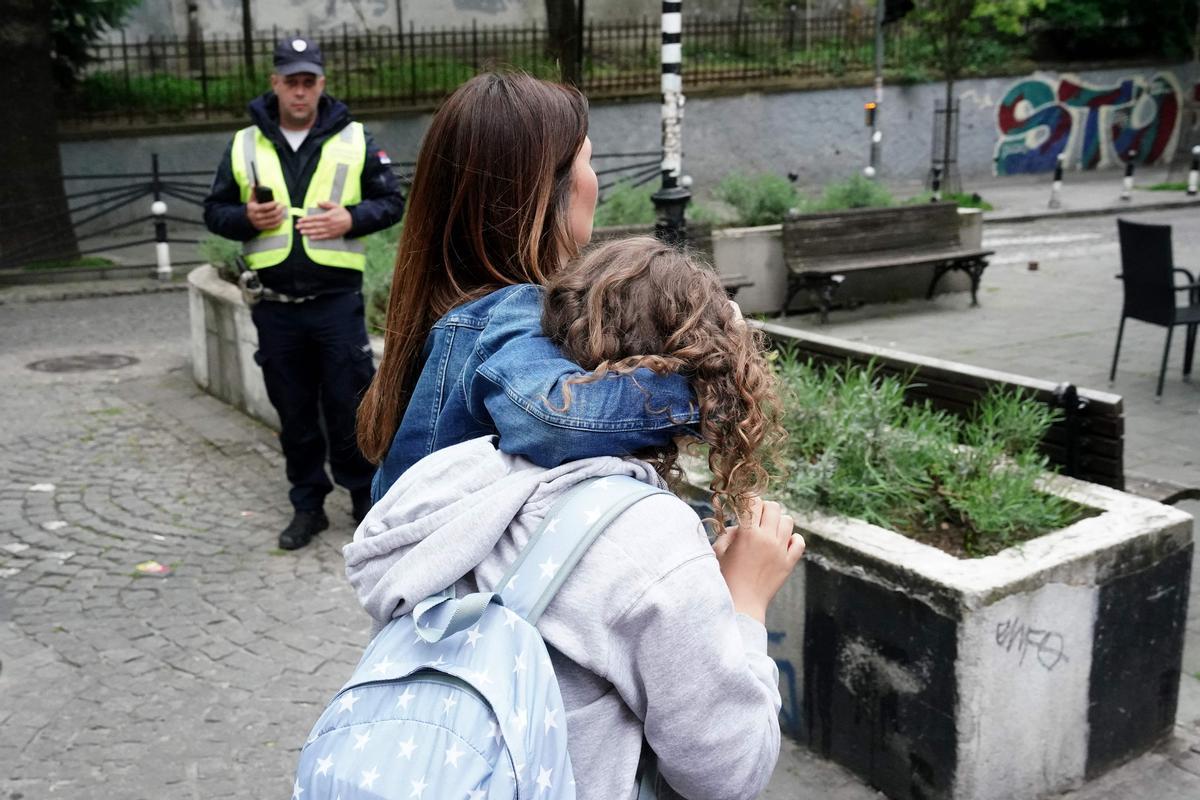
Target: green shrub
column 377, row 276
column 762, row 200
column 964, row 200
column 857, row 192
column 625, row 204
column 857, row 449
column 221, row 253
column 91, row 262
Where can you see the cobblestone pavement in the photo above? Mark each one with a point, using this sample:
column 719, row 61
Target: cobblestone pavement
column 203, row 684
column 200, row 684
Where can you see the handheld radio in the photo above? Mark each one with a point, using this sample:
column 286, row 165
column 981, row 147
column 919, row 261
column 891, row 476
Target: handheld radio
column 262, row 194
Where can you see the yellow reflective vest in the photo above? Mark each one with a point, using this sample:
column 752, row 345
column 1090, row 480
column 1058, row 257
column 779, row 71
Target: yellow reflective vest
column 338, row 179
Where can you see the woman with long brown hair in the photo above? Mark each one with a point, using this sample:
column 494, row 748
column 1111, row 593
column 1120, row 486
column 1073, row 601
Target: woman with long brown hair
column 503, row 195
column 655, row 636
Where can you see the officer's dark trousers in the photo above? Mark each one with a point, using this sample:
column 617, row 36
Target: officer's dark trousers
column 316, row 358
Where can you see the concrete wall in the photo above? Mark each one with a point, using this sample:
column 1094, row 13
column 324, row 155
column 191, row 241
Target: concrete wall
column 224, row 17
column 818, row 134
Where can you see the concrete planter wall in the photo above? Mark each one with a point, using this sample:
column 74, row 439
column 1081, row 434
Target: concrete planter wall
column 758, row 254
column 1002, row 678
column 224, row 341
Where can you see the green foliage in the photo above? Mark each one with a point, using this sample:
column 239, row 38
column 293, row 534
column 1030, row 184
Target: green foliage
column 159, row 94
column 75, row 25
column 89, row 262
column 857, row 192
column 964, row 200
column 959, row 32
column 762, row 200
column 1169, row 186
column 1096, row 28
column 625, row 204
column 857, row 449
column 377, row 276
column 221, row 253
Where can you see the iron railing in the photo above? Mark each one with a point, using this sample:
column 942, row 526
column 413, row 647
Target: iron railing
column 111, row 212
column 162, row 79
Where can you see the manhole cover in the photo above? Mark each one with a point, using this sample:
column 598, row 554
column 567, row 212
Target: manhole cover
column 82, row 363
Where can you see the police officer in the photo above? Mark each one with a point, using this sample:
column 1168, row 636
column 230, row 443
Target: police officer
column 329, row 184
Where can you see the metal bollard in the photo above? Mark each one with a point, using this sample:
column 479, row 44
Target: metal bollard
column 1194, row 174
column 162, row 250
column 936, row 185
column 1127, row 182
column 1056, row 187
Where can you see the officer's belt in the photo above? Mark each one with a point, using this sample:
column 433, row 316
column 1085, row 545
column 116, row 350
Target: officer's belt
column 272, row 296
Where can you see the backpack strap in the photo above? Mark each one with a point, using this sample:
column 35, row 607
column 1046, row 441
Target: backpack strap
column 566, row 533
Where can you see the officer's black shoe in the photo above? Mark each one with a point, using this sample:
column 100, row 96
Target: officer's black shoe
column 303, row 527
column 360, row 502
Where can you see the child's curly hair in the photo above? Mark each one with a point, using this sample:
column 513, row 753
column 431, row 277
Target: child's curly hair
column 638, row 303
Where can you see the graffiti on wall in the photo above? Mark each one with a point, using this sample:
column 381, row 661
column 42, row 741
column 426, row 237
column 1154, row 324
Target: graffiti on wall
column 1040, row 117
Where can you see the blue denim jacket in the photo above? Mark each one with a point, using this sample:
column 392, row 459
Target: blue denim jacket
column 489, row 369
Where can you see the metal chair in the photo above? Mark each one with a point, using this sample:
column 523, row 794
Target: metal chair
column 1148, row 273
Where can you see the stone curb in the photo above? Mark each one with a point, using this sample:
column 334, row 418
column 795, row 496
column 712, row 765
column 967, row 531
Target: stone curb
column 1094, row 211
column 45, row 293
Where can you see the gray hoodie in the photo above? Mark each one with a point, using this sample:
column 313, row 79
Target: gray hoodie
column 643, row 635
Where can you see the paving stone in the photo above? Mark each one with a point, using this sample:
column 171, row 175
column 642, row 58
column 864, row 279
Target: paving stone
column 204, row 684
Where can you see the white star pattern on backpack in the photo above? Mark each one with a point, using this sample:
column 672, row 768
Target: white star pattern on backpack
column 432, row 712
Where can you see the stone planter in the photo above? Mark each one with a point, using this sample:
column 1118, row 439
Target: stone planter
column 1002, row 678
column 756, row 253
column 223, row 344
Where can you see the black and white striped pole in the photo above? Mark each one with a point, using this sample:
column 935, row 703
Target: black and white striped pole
column 158, row 209
column 1127, row 181
column 935, row 185
column 1194, row 172
column 1056, row 187
column 671, row 200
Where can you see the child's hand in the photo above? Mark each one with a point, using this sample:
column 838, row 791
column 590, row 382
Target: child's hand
column 737, row 312
column 757, row 556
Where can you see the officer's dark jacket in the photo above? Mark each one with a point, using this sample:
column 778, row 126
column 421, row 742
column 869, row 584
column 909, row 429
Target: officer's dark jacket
column 382, row 204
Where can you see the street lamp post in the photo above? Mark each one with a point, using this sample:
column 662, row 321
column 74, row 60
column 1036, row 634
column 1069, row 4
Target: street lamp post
column 876, row 134
column 671, row 200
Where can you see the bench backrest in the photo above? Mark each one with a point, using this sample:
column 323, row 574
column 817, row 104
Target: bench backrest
column 700, row 236
column 1087, row 444
column 811, row 238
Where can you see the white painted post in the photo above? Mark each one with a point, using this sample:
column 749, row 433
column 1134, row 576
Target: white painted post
column 1194, row 173
column 1127, row 182
column 162, row 250
column 1056, row 187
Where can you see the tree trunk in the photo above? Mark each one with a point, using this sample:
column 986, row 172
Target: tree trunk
column 34, row 221
column 563, row 38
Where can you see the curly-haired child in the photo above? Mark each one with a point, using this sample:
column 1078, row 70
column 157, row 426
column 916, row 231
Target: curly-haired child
column 657, row 635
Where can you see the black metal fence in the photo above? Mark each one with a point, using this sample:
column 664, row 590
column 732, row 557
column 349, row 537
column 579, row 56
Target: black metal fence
column 110, row 213
column 213, row 78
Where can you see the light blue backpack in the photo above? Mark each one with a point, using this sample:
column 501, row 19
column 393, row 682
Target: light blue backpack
column 459, row 699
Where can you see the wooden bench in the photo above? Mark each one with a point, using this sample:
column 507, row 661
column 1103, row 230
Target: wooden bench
column 700, row 242
column 821, row 249
column 1086, row 443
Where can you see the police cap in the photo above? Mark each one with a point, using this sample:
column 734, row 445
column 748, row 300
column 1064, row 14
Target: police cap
column 298, row 54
